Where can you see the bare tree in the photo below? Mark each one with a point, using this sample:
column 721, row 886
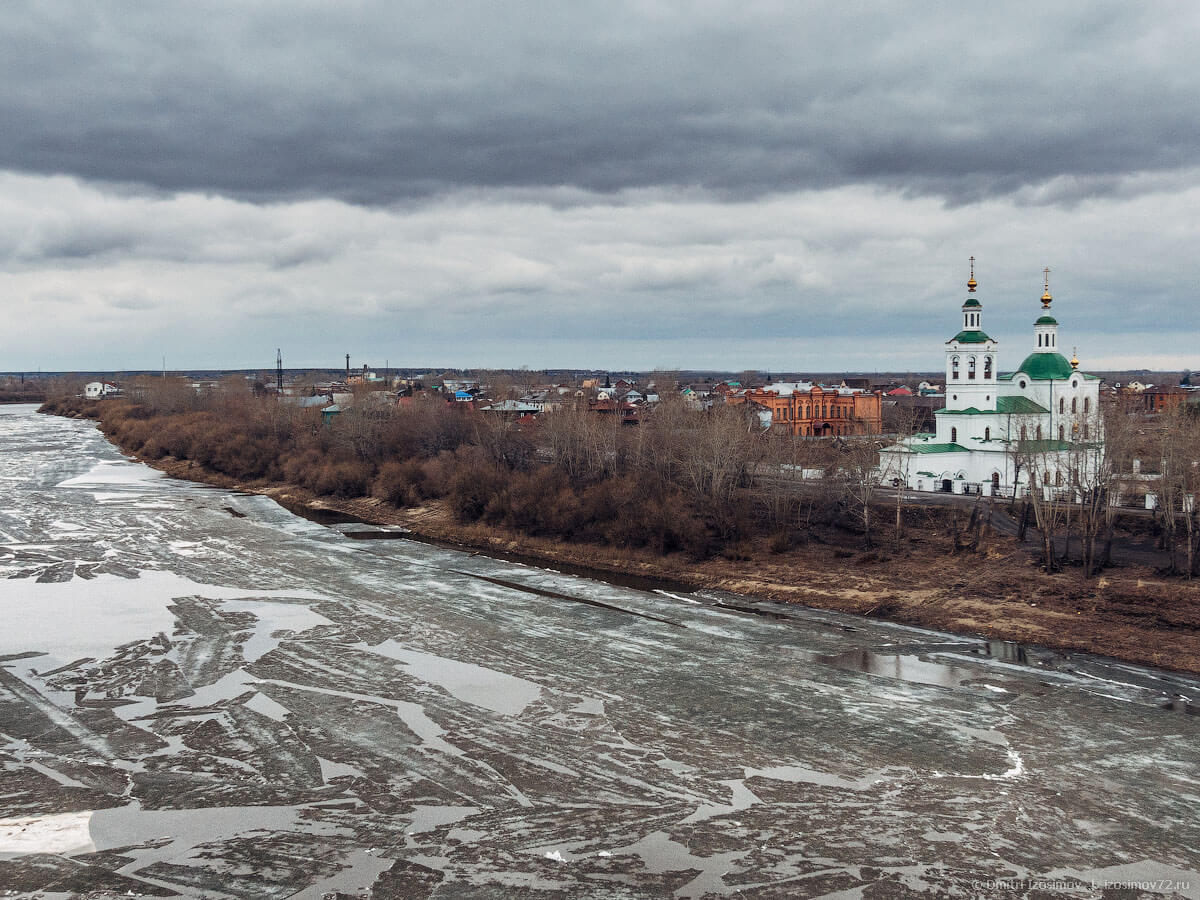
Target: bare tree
column 1179, row 445
column 1043, row 462
column 859, row 473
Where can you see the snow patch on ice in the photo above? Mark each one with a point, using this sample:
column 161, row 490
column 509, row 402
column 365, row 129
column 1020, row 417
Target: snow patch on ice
column 477, row 685
column 62, row 833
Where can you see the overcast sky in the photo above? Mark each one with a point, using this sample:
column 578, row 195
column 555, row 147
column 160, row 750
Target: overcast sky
column 779, row 186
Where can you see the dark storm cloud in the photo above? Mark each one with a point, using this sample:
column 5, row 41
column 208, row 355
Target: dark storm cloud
column 381, row 102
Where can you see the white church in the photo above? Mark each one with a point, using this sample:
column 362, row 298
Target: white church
column 999, row 432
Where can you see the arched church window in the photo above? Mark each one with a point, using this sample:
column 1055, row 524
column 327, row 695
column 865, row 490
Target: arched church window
column 1074, row 404
column 1039, row 432
column 971, row 367
column 987, row 367
column 1058, row 478
column 954, row 435
column 987, row 434
column 1062, row 404
column 1060, row 433
column 954, row 367
column 1039, row 340
column 1024, row 433
column 1087, row 402
column 1046, row 477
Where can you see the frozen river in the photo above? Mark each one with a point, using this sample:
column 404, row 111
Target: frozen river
column 204, row 695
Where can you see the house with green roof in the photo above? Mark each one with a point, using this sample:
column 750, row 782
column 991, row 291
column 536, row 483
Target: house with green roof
column 1000, row 433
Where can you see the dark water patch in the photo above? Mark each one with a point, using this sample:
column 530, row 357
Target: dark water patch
column 555, row 595
column 1181, row 705
column 318, row 514
column 901, row 666
column 367, row 533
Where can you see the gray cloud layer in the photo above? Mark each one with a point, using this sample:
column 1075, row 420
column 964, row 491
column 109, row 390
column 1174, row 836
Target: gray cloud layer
column 379, row 102
column 779, row 185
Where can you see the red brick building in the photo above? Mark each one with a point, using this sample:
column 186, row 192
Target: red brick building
column 820, row 412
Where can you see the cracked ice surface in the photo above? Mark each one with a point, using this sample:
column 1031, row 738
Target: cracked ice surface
column 200, row 704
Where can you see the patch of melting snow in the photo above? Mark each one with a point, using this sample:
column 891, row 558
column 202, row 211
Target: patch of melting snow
column 361, row 869
column 429, row 818
column 264, row 705
column 1015, row 770
column 58, row 833
column 498, row 691
column 660, row 854
column 691, row 600
column 114, row 472
column 740, row 798
column 331, row 770
column 411, row 714
column 186, row 828
column 92, row 616
column 589, row 706
column 806, row 775
column 273, row 618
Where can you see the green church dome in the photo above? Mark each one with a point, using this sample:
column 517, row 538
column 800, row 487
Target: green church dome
column 971, row 301
column 1046, row 366
column 1046, row 320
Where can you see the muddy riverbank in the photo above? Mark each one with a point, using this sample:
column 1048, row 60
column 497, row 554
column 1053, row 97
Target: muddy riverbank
column 995, row 592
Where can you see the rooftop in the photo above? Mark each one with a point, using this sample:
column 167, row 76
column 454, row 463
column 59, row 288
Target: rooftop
column 970, row 337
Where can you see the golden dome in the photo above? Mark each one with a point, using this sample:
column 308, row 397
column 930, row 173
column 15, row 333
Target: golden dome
column 1074, row 359
column 972, row 284
column 1046, row 298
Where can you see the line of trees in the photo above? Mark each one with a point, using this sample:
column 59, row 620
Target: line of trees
column 700, row 482
column 1077, row 494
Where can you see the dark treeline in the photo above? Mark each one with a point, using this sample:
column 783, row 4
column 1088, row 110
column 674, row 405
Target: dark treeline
column 680, row 481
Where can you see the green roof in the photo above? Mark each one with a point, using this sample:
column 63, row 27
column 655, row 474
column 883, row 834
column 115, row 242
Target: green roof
column 970, row 337
column 936, row 448
column 1019, row 405
column 1003, row 405
column 972, row 302
column 1046, row 366
column 1046, row 320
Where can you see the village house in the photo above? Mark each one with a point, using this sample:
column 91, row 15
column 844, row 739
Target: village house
column 95, row 390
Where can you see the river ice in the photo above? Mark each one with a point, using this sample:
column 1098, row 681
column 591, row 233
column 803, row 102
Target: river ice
column 202, row 704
